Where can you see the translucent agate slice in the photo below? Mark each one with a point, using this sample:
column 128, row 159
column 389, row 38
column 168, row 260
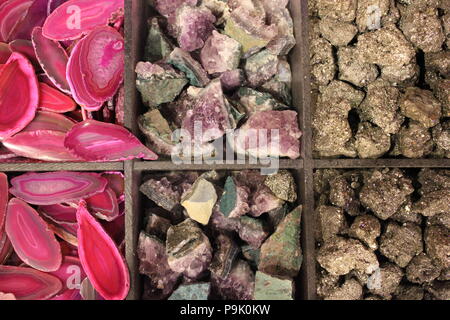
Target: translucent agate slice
column 52, row 58
column 101, row 259
column 56, row 187
column 55, row 101
column 11, row 13
column 98, row 141
column 19, row 95
column 28, row 284
column 77, row 17
column 31, row 238
column 104, row 205
column 45, row 120
column 4, row 195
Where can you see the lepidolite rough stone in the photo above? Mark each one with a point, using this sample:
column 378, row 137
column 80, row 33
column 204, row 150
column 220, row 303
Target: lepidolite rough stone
column 157, row 131
column 153, row 263
column 261, row 67
column 162, row 192
column 255, row 101
column 385, row 192
column 210, row 111
column 169, row 7
column 157, row 226
column 158, row 84
column 339, row 256
column 183, row 61
column 253, row 231
column 188, row 248
column 281, row 254
column 282, row 137
column 284, row 41
column 220, row 53
column 195, row 291
column 231, row 80
column 193, row 27
column 280, row 86
column 282, row 185
column 239, row 284
column 401, row 243
column 271, row 288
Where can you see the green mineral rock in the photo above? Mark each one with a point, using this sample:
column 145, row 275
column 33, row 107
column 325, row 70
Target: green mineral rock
column 281, row 84
column 254, row 101
column 281, row 254
column 184, row 62
column 251, row 254
column 158, row 84
column 196, row 291
column 261, row 67
column 234, row 201
column 157, row 131
column 158, row 46
column 277, row 215
column 282, row 185
column 270, row 288
column 253, row 231
column 224, row 256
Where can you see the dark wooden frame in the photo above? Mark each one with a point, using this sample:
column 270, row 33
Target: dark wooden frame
column 136, row 13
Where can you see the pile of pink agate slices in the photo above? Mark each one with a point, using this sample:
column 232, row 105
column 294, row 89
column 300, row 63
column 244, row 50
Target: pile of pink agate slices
column 61, row 82
column 62, row 236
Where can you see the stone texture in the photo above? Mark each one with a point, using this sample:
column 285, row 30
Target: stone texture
column 420, row 105
column 437, row 244
column 253, row 231
column 339, row 256
column 409, row 292
column 342, row 194
column 343, row 10
column 158, row 84
column 331, row 222
column 200, row 201
column 284, row 41
column 350, row 290
column 353, row 70
column 189, row 250
column 260, row 67
column 370, row 13
column 158, row 47
column 271, row 288
column 441, row 137
column 234, row 200
column 282, row 185
column 401, row 243
column 439, row 62
column 381, row 105
column 326, row 284
column 385, row 192
column 193, row 27
column 281, row 253
column 366, row 228
column 280, row 85
column 192, row 292
column 157, row 131
column 323, row 67
column 157, row 226
column 183, row 61
column 224, row 256
column 232, row 80
column 338, row 33
column 254, row 101
column 385, row 280
column 154, row 264
column 220, row 53
column 421, row 25
column 414, row 141
column 371, row 141
column 162, row 192
column 422, row 269
column 433, row 203
column 239, row 284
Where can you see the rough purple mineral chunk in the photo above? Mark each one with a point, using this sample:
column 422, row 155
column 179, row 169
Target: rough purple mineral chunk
column 189, row 249
column 169, row 7
column 193, row 26
column 253, row 231
column 153, row 263
column 210, row 112
column 220, row 53
column 231, row 80
column 238, row 285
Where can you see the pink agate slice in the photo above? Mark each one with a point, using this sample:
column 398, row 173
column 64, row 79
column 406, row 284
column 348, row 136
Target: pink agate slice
column 25, row 47
column 30, row 237
column 53, row 100
column 28, row 284
column 59, row 213
column 103, row 48
column 11, row 14
column 5, row 247
column 35, row 16
column 42, row 145
column 116, row 181
column 100, row 257
column 104, row 205
column 56, row 187
column 98, row 141
column 5, row 52
column 19, row 95
column 52, row 58
column 3, row 199
column 71, row 274
column 68, row 295
column 62, row 23
column 51, row 121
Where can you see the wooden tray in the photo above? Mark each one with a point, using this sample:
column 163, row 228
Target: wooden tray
column 136, row 13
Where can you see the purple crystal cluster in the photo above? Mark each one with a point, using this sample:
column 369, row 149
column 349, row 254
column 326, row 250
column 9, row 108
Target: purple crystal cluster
column 217, row 65
column 220, row 235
